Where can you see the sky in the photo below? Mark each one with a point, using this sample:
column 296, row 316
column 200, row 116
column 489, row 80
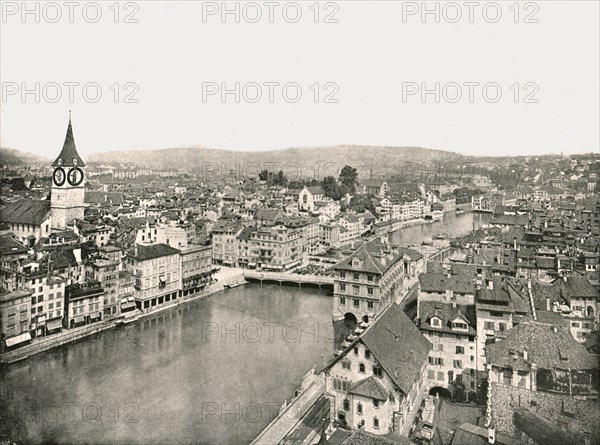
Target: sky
column 479, row 78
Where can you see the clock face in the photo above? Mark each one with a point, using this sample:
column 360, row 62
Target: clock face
column 75, row 176
column 59, row 176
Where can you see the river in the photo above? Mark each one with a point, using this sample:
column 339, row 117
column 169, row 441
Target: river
column 452, row 225
column 211, row 371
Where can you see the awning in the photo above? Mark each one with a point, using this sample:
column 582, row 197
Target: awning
column 95, row 316
column 78, row 320
column 52, row 325
column 18, row 339
column 127, row 306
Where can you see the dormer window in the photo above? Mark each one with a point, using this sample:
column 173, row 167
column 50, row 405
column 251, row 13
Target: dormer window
column 459, row 325
column 436, row 322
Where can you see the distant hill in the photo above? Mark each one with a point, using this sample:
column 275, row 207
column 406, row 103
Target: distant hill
column 311, row 161
column 10, row 156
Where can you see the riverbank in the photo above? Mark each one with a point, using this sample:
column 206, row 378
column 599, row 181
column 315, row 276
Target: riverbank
column 48, row 342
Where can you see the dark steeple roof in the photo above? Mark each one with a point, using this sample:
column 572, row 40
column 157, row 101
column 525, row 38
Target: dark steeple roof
column 69, row 151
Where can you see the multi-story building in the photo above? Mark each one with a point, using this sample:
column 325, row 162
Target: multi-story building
column 276, row 247
column 451, row 328
column 367, row 281
column 196, row 269
column 106, row 272
column 157, row 271
column 47, row 299
column 15, row 319
column 378, row 377
column 224, row 244
column 84, row 303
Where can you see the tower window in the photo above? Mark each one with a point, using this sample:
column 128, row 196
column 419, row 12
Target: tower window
column 74, row 161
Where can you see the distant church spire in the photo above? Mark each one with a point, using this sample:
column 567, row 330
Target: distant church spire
column 69, row 156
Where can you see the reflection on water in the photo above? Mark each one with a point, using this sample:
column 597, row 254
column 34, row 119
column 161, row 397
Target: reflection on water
column 452, row 225
column 209, row 371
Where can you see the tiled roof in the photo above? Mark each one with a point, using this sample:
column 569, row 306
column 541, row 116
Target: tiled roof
column 447, row 313
column 26, row 211
column 547, row 346
column 103, row 198
column 398, row 346
column 374, row 258
column 469, row 434
column 152, row 251
column 10, row 246
column 437, row 282
column 370, row 387
column 577, row 286
column 68, row 155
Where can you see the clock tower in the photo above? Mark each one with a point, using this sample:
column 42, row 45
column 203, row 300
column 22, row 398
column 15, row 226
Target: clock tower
column 68, row 184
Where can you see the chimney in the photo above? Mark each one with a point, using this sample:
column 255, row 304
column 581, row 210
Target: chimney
column 490, row 284
column 515, row 243
column 491, row 434
column 525, row 355
column 548, row 307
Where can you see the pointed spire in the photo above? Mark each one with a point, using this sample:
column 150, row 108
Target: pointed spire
column 69, row 156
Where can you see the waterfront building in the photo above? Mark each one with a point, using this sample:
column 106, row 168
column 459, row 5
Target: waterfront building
column 157, row 271
column 367, row 281
column 84, row 303
column 15, row 318
column 224, row 245
column 378, row 377
column 106, row 272
column 196, row 268
column 47, row 299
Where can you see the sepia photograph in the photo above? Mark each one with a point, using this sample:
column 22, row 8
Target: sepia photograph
column 311, row 222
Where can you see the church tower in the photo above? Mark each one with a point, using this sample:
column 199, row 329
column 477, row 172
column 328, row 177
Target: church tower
column 68, row 184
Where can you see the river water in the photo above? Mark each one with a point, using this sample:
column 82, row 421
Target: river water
column 211, row 371
column 452, row 225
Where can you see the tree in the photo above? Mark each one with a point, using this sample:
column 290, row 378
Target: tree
column 349, row 177
column 330, row 187
column 264, row 175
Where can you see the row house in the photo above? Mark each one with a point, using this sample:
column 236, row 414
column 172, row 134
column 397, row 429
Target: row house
column 367, row 281
column 15, row 319
column 47, row 299
column 378, row 377
column 452, row 330
column 276, row 247
column 157, row 271
column 196, row 269
column 84, row 303
column 12, row 256
column 106, row 272
column 224, row 244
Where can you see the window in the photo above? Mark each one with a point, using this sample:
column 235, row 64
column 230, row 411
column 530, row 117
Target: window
column 359, row 408
column 367, row 354
column 369, row 277
column 356, row 276
column 355, row 289
column 342, row 287
column 361, row 367
column 370, row 304
column 345, row 364
column 472, row 358
column 355, row 351
column 458, row 364
column 342, row 274
column 376, row 403
column 342, row 301
column 435, row 322
column 356, row 302
column 430, row 374
column 439, row 347
column 460, row 350
column 378, row 371
column 346, row 405
column 370, row 290
column 489, row 325
column 502, row 327
column 440, row 376
column 375, row 423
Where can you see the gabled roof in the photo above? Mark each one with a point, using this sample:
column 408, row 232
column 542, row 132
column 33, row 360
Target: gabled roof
column 374, row 257
column 370, row 387
column 577, row 286
column 10, row 246
column 68, row 155
column 438, row 282
column 547, row 346
column 447, row 313
column 152, row 251
column 27, row 211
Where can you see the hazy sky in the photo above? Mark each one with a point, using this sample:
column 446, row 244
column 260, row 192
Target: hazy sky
column 375, row 62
